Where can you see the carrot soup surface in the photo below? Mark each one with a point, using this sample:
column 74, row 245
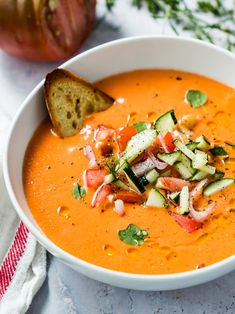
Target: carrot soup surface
column 53, row 165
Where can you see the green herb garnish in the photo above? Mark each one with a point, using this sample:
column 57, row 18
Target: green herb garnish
column 140, row 126
column 133, row 235
column 218, row 151
column 231, row 145
column 206, row 20
column 78, row 191
column 196, row 98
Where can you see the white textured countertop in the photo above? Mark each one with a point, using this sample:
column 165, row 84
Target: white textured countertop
column 64, row 290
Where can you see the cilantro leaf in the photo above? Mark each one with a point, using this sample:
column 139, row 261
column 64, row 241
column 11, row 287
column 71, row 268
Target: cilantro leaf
column 78, row 191
column 196, row 98
column 218, row 151
column 133, row 235
column 140, row 126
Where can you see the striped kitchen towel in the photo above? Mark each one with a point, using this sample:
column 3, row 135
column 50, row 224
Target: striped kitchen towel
column 22, row 259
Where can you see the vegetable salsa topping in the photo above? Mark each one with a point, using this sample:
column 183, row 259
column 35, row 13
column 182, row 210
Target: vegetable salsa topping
column 153, row 164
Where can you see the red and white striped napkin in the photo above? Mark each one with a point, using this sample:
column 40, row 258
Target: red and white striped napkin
column 22, row 259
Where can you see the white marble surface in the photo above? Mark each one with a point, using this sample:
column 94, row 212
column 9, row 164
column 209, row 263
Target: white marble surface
column 66, row 291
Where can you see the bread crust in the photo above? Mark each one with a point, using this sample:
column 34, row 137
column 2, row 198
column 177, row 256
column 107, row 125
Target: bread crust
column 69, row 98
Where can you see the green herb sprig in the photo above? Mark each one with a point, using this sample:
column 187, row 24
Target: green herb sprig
column 78, row 191
column 133, row 235
column 181, row 16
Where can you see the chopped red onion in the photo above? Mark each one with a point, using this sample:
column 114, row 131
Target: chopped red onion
column 110, row 198
column 160, row 165
column 88, row 151
column 199, row 216
column 198, row 188
column 119, row 207
column 143, row 167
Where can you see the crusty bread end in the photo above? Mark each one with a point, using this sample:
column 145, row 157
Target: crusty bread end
column 69, row 98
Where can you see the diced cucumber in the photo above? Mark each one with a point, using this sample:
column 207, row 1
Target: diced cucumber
column 217, row 186
column 170, row 158
column 204, row 144
column 136, row 145
column 121, row 185
column 109, row 178
column 209, row 169
column 133, row 180
column 166, row 123
column 183, row 148
column 192, row 145
column 200, row 159
column 187, row 163
column 184, row 201
column 183, row 170
column 152, row 176
column 175, row 196
column 199, row 175
column 143, row 180
column 156, row 199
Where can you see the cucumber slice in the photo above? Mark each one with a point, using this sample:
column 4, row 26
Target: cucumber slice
column 199, row 175
column 187, row 163
column 204, row 144
column 156, row 199
column 192, row 145
column 217, row 186
column 200, row 159
column 133, row 180
column 166, row 123
column 136, row 145
column 121, row 185
column 183, row 170
column 143, row 180
column 109, row 178
column 209, row 169
column 184, row 149
column 184, row 201
column 175, row 196
column 170, row 158
column 152, row 176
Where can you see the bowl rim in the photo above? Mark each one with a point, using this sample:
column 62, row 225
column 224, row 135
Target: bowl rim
column 71, row 259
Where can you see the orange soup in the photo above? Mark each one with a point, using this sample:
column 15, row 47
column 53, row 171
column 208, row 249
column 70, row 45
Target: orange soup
column 137, row 193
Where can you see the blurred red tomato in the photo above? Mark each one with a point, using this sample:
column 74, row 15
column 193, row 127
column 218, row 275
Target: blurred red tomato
column 45, row 29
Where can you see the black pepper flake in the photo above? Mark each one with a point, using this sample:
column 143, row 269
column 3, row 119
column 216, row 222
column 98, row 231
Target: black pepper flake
column 178, row 78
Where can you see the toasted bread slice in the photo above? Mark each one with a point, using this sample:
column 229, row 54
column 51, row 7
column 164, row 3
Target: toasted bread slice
column 69, row 99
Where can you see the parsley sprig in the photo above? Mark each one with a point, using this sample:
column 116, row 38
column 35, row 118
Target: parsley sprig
column 181, row 16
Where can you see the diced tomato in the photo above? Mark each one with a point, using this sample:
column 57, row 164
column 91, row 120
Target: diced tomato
column 124, row 136
column 104, row 133
column 101, row 194
column 95, row 177
column 172, row 184
column 168, row 139
column 188, row 224
column 129, row 197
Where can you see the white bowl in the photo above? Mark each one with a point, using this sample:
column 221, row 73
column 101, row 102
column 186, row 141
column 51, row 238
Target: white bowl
column 108, row 59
